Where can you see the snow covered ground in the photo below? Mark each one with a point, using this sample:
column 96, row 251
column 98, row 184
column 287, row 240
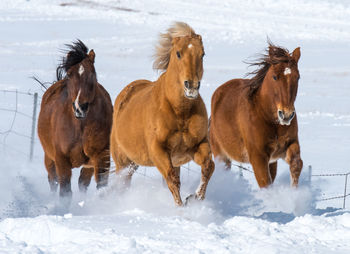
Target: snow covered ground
column 236, row 217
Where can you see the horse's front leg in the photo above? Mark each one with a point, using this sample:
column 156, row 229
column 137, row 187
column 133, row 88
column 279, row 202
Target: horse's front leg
column 260, row 164
column 64, row 174
column 85, row 178
column 101, row 169
column 161, row 160
column 52, row 175
column 203, row 158
column 295, row 162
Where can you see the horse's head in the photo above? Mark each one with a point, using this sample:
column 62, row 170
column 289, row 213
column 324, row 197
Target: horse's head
column 82, row 85
column 278, row 78
column 81, row 78
column 283, row 78
column 187, row 54
column 181, row 50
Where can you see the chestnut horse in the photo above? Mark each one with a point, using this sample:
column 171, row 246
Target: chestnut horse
column 254, row 120
column 75, row 122
column 164, row 123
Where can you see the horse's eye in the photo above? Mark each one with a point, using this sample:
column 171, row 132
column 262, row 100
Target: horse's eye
column 274, row 77
column 203, row 55
column 178, row 54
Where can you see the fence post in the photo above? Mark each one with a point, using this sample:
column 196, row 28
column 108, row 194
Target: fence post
column 240, row 171
column 310, row 174
column 346, row 183
column 35, row 104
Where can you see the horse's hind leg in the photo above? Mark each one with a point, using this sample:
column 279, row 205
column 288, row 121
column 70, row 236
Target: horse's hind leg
column 215, row 149
column 124, row 167
column 227, row 162
column 51, row 171
column 131, row 170
column 273, row 170
column 85, row 178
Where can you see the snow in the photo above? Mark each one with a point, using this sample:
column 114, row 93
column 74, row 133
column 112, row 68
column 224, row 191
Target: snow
column 138, row 232
column 236, row 216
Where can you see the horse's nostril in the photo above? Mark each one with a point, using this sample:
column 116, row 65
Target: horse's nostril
column 187, row 84
column 84, row 107
column 280, row 114
column 292, row 115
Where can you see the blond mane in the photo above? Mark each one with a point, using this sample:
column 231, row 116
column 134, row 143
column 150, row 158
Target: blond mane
column 163, row 49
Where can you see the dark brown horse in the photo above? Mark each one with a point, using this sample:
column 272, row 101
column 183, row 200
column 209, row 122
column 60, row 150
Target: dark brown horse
column 164, row 123
column 254, row 120
column 75, row 122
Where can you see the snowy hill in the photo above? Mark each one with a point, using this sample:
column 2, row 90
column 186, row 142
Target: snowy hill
column 236, row 217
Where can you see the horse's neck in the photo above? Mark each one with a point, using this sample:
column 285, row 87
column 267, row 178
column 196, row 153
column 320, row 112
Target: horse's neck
column 262, row 104
column 172, row 93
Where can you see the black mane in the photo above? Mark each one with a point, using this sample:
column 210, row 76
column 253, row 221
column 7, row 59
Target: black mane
column 273, row 55
column 76, row 53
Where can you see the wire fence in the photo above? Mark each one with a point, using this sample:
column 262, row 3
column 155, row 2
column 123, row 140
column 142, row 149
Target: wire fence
column 345, row 194
column 14, row 104
column 310, row 176
column 19, row 115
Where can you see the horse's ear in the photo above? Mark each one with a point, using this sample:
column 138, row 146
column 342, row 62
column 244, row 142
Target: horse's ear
column 272, row 51
column 92, row 56
column 69, row 72
column 296, row 54
column 68, row 55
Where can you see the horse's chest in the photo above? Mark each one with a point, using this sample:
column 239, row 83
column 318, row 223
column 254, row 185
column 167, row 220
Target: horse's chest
column 181, row 140
column 180, row 143
column 278, row 148
column 73, row 148
column 77, row 156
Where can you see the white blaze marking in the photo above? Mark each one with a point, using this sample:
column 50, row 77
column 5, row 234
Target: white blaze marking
column 76, row 102
column 190, row 45
column 287, row 71
column 81, row 70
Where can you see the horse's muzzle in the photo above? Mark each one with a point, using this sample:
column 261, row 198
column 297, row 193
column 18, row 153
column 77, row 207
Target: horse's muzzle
column 191, row 91
column 285, row 118
column 80, row 112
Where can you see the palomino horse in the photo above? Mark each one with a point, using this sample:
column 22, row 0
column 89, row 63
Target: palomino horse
column 75, row 122
column 164, row 123
column 254, row 120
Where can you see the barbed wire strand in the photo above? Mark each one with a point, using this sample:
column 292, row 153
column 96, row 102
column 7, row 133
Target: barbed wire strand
column 18, row 92
column 336, row 197
column 13, row 119
column 337, row 174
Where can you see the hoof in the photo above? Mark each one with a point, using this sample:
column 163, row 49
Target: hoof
column 191, row 198
column 179, row 204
